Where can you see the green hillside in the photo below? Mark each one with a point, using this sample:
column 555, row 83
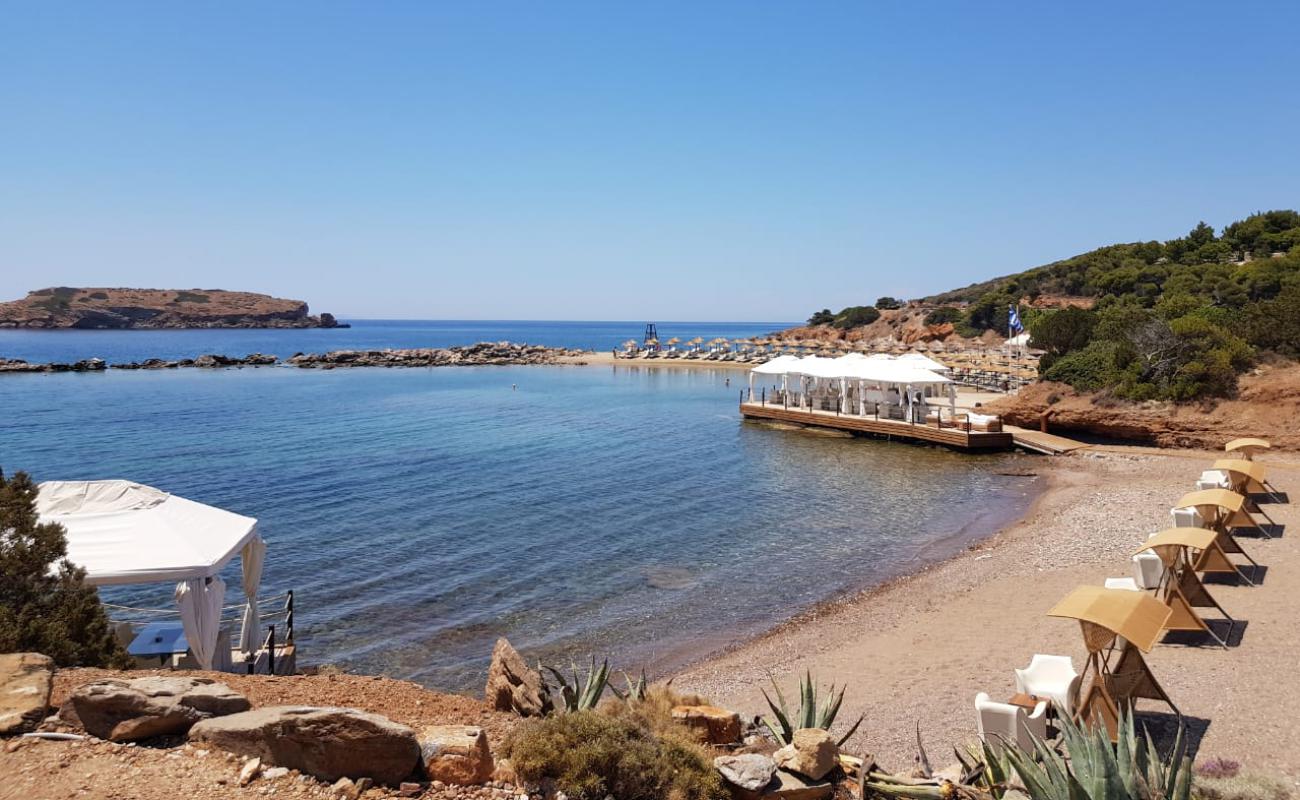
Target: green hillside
column 1173, row 320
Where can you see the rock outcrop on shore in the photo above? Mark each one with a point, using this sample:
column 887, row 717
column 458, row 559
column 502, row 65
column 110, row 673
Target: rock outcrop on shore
column 481, row 354
column 105, row 308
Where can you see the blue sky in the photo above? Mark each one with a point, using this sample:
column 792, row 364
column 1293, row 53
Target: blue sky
column 747, row 161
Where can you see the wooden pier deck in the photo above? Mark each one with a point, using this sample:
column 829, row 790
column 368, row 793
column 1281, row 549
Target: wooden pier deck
column 891, row 428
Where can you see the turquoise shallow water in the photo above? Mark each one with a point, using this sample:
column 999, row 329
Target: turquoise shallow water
column 419, row 514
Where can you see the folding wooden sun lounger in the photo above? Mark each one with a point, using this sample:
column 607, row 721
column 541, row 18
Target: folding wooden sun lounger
column 1248, row 477
column 1117, row 626
column 1180, row 588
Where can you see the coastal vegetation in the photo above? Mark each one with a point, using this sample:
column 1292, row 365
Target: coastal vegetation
column 627, row 747
column 1173, row 320
column 45, row 605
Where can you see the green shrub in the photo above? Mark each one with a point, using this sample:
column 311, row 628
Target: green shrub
column 823, row 317
column 98, row 295
column 591, row 756
column 943, row 314
column 191, row 297
column 1063, row 331
column 1275, row 324
column 45, row 605
column 856, row 317
column 890, row 303
column 1088, row 369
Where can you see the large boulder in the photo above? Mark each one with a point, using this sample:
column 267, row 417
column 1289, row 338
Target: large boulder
column 748, row 771
column 122, row 710
column 25, row 683
column 512, row 685
column 329, row 743
column 709, row 724
column 456, row 754
column 812, row 752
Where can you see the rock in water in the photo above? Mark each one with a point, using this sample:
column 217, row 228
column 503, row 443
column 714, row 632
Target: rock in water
column 25, row 683
column 142, row 708
column 750, row 771
column 710, row 724
column 812, row 752
column 512, row 685
column 456, row 754
column 329, row 743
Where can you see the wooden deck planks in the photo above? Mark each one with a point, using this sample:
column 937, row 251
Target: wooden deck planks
column 951, row 437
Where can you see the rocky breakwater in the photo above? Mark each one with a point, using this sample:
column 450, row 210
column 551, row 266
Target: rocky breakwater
column 481, row 354
column 211, row 361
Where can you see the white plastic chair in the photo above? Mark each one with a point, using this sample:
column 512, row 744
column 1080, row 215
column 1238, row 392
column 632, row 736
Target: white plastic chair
column 1213, row 479
column 1009, row 723
column 1052, row 677
column 1148, row 570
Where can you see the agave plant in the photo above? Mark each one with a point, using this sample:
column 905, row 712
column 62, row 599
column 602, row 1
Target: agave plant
column 1096, row 770
column 581, row 694
column 809, row 714
column 635, row 690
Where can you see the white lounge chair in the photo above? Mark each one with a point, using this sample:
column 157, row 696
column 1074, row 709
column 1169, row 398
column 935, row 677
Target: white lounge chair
column 1009, row 723
column 1052, row 677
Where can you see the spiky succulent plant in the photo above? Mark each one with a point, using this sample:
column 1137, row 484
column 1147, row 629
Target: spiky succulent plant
column 809, row 714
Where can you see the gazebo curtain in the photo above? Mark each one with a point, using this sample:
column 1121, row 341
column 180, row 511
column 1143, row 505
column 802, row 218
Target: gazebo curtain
column 251, row 558
column 200, row 601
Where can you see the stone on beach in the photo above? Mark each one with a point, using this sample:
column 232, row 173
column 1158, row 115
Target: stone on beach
column 710, row 724
column 512, row 685
column 329, row 743
column 128, row 710
column 812, row 752
column 456, row 754
column 25, row 683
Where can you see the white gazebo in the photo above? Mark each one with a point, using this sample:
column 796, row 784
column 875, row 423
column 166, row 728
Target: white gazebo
column 126, row 533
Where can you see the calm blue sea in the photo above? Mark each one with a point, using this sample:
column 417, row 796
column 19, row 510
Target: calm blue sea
column 421, row 513
column 128, row 345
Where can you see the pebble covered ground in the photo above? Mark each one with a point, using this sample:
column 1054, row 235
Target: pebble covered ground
column 914, row 653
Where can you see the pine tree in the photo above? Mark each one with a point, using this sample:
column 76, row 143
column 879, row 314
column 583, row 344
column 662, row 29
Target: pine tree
column 45, row 604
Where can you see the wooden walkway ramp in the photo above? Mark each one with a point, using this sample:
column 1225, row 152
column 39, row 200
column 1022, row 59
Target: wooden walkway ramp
column 1039, row 442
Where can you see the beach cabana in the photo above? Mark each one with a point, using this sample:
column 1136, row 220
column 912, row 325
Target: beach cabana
column 1220, row 510
column 1180, row 588
column 1246, row 477
column 1247, row 448
column 122, row 532
column 1118, row 626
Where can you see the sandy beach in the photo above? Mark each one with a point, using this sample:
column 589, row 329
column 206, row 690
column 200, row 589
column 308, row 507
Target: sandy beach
column 916, row 651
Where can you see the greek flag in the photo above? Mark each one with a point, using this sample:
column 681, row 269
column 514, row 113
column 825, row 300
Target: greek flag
column 1013, row 322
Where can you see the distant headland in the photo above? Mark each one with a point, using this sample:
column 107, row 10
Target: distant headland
column 102, row 308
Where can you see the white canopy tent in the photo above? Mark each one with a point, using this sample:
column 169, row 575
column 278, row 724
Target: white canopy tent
column 923, row 361
column 902, row 373
column 126, row 533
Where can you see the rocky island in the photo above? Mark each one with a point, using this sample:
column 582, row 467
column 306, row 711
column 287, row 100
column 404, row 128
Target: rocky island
column 103, row 308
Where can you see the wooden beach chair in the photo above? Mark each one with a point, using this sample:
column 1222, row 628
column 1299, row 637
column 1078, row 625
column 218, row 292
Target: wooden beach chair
column 1118, row 625
column 1180, row 587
